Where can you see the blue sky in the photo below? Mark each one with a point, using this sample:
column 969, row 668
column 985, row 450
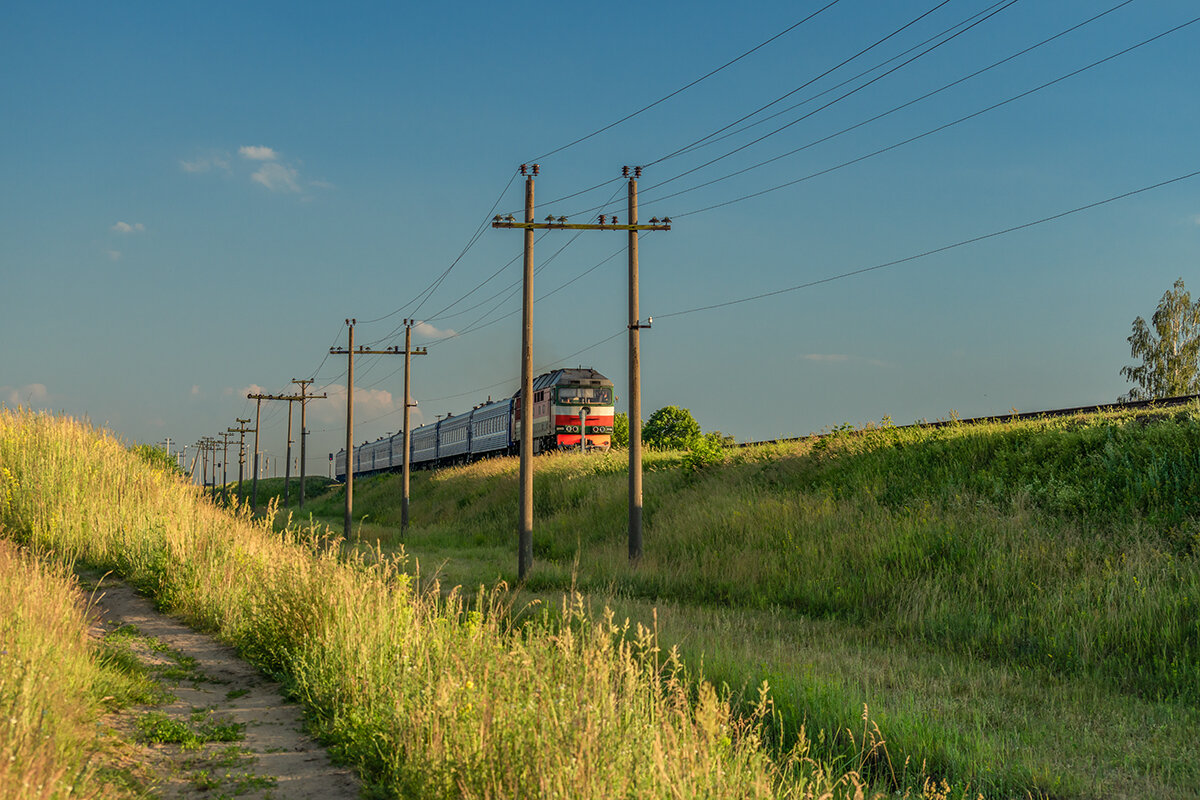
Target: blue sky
column 197, row 196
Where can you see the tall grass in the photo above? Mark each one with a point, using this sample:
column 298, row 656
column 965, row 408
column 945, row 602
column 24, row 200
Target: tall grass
column 427, row 697
column 51, row 684
column 1071, row 544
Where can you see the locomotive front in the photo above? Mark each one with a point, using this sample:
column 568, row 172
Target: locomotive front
column 582, row 408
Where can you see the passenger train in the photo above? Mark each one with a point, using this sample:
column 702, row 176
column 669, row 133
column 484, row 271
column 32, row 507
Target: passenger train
column 568, row 405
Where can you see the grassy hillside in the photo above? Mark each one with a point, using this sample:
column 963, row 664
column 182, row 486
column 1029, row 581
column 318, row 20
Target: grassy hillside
column 426, row 695
column 1017, row 604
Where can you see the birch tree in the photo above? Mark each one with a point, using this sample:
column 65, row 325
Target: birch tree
column 1169, row 349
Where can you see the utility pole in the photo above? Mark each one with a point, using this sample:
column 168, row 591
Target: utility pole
column 241, row 430
column 304, row 398
column 350, row 353
column 289, row 398
column 408, row 403
column 225, row 463
column 635, row 325
column 254, row 477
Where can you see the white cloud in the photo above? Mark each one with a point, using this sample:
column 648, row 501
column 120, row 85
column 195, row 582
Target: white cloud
column 367, row 403
column 257, row 153
column 206, row 163
column 114, row 255
column 277, row 177
column 28, row 396
column 126, row 227
column 430, row 332
column 195, row 390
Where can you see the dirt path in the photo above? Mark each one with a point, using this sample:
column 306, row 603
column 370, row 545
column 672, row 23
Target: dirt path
column 240, row 737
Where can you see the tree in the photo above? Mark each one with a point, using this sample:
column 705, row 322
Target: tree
column 670, row 428
column 1171, row 360
column 620, row 434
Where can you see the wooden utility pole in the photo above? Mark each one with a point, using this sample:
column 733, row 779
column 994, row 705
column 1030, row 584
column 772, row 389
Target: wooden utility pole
column 241, row 430
column 635, row 325
column 254, row 477
column 408, row 403
column 289, row 398
column 225, row 463
column 350, row 353
column 304, row 398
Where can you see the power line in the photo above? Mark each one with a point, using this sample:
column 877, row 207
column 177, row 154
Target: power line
column 935, row 250
column 836, row 100
column 894, row 109
column 930, row 132
column 704, row 77
column 713, row 138
column 807, row 83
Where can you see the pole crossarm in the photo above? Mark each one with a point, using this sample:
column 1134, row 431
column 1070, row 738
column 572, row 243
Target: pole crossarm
column 291, row 398
column 572, row 226
column 362, row 351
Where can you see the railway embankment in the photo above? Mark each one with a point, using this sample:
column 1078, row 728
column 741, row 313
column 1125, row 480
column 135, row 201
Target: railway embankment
column 1015, row 604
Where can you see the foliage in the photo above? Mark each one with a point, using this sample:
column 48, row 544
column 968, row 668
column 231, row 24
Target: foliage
column 1170, row 361
column 620, row 434
column 670, row 428
column 158, row 457
column 704, row 451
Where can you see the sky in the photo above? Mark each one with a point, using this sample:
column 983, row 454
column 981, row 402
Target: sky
column 196, row 197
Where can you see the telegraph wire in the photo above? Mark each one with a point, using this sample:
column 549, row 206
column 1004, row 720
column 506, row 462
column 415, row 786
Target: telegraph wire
column 935, row 250
column 682, row 89
column 713, row 138
column 425, row 293
column 900, row 107
column 809, row 82
column 930, row 132
column 815, row 111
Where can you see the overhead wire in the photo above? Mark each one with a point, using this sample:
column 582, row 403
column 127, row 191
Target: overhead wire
column 934, row 251
column 929, row 132
column 684, row 88
column 836, row 100
column 806, row 84
column 722, row 135
column 895, row 109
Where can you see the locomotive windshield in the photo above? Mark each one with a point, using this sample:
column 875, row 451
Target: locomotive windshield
column 584, row 395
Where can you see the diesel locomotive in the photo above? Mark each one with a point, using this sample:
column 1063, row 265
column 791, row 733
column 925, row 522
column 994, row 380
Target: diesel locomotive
column 572, row 409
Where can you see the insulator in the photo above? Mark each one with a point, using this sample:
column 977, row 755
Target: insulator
column 523, row 168
column 624, row 172
column 535, row 169
column 637, row 172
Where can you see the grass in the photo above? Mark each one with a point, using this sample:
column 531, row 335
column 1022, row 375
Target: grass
column 203, row 727
column 428, row 695
column 1012, row 601
column 53, row 686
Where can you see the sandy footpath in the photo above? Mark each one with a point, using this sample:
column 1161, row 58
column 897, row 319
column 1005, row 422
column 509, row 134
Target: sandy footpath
column 276, row 759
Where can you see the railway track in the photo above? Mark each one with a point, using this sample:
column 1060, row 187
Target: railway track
column 1165, row 402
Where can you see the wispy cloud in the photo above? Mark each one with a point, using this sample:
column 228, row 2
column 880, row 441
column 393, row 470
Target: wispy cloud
column 367, row 403
column 113, row 255
column 31, row 395
column 205, row 163
column 195, row 390
column 257, row 153
column 277, row 177
column 430, row 332
column 128, row 227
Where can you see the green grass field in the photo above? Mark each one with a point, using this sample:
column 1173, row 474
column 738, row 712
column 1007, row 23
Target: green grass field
column 1005, row 610
column 1016, row 605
